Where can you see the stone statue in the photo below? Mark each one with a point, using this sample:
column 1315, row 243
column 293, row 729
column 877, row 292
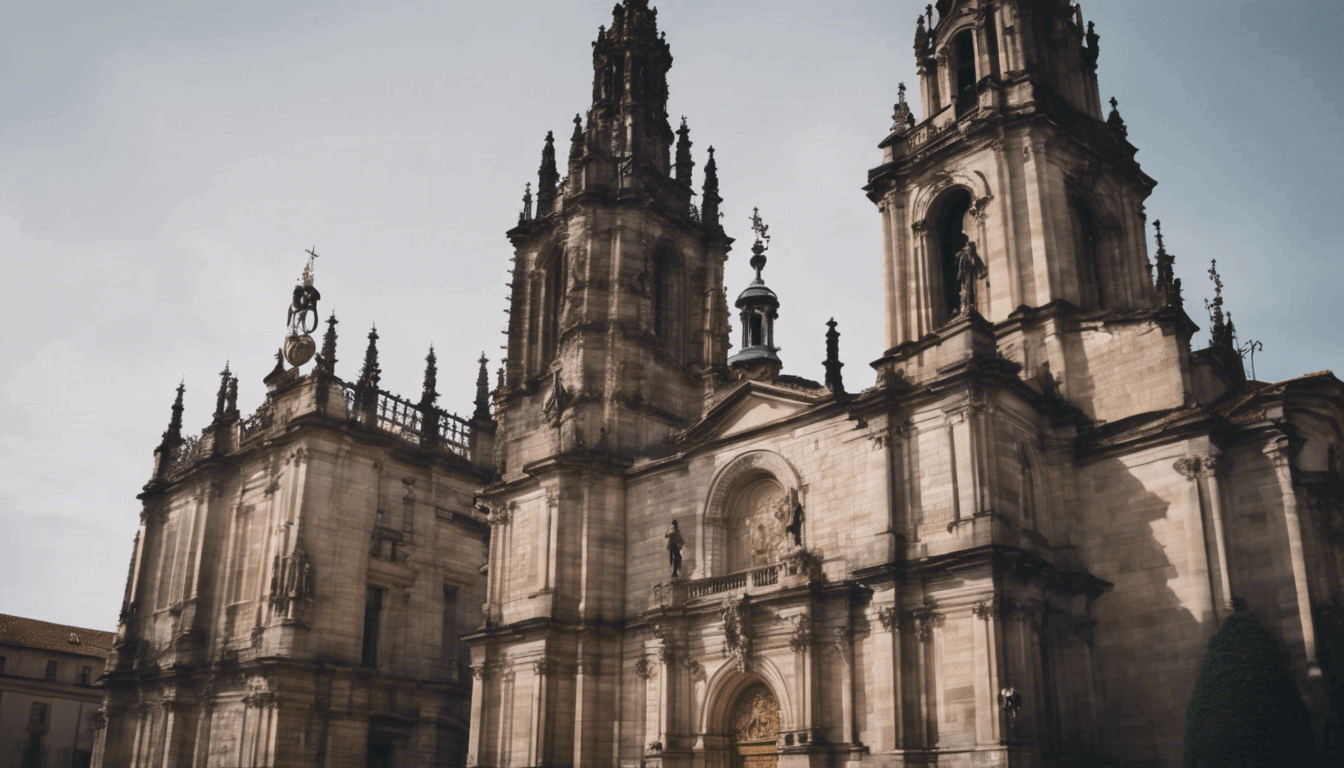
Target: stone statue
column 674, row 544
column 970, row 267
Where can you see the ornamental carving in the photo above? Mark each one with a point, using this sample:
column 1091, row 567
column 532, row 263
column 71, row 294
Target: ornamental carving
column 986, row 608
column 643, row 668
column 500, row 514
column 925, row 620
column 890, row 618
column 736, row 641
column 800, row 639
column 756, row 715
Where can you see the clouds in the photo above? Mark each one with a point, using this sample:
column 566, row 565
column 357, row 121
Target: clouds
column 164, row 165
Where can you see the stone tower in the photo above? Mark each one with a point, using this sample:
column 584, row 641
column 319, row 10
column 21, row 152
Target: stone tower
column 617, row 330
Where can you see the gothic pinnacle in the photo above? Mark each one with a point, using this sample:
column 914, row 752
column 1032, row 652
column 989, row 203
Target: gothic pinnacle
column 709, row 213
column 834, row 381
column 1221, row 330
column 430, row 392
column 222, row 397
column 482, row 412
column 371, row 373
column 547, row 177
column 684, row 162
column 172, row 437
column 1117, row 122
column 326, row 359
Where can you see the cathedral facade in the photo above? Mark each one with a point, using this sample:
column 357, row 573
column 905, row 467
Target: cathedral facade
column 662, row 550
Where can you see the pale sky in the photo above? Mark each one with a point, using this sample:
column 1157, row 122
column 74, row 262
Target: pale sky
column 163, row 166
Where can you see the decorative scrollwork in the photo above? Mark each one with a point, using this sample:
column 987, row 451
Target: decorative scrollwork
column 736, row 641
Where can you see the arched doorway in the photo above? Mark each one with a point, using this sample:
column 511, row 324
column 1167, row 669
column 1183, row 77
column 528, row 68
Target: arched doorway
column 755, row 727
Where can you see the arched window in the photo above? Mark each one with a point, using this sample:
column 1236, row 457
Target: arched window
column 668, row 294
column 1091, row 292
column 950, row 219
column 963, row 46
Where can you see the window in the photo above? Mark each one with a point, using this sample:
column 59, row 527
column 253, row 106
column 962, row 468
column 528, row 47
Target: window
column 38, row 715
column 2, row 665
column 667, row 291
column 964, row 45
column 1090, row 289
column 85, row 674
column 454, row 652
column 373, row 614
column 51, row 670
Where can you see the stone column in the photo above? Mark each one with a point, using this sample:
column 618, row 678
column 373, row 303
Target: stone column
column 1279, row 453
column 988, row 715
column 1200, row 571
column 479, row 710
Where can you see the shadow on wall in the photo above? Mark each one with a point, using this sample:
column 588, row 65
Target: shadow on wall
column 1148, row 640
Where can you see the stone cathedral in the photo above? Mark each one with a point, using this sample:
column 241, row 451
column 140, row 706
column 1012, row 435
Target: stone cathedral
column 650, row 547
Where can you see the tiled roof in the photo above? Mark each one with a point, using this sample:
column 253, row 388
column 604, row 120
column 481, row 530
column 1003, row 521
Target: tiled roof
column 43, row 635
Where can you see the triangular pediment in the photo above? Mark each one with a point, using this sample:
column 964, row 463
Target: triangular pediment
column 752, row 406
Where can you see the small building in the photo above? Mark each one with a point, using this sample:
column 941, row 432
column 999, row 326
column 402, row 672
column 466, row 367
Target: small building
column 49, row 708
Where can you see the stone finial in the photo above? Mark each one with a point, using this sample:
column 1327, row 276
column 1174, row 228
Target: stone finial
column 548, row 178
column 709, row 213
column 371, row 374
column 172, row 437
column 430, row 393
column 684, row 163
column 482, row 412
column 1167, row 284
column 326, row 359
column 1115, row 121
column 231, row 399
column 1221, row 330
column 762, row 243
column 222, row 397
column 576, row 146
column 922, row 41
column 834, row 381
column 526, row 213
column 902, row 118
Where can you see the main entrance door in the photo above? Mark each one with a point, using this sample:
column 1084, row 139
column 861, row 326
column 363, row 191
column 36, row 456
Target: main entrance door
column 755, row 728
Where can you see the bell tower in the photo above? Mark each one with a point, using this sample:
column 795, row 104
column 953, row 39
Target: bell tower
column 617, row 322
column 1014, row 156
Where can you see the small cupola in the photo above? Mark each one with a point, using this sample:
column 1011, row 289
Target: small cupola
column 758, row 307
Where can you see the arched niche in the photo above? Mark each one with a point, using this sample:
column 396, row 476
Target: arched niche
column 950, row 224
column 724, row 691
column 752, row 503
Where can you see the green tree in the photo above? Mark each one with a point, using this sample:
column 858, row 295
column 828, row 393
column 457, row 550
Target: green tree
column 1245, row 710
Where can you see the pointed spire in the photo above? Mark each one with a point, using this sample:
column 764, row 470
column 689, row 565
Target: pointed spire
column 371, row 373
column 222, row 397
column 684, row 162
column 1117, row 122
column 576, row 145
column 921, row 40
column 709, row 213
column 547, row 177
column 231, row 399
column 482, row 412
column 834, row 381
column 1221, row 329
column 326, row 359
column 628, row 118
column 1167, row 284
column 172, row 437
column 526, row 213
column 430, row 393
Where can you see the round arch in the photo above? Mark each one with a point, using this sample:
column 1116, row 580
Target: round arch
column 727, row 684
column 737, row 474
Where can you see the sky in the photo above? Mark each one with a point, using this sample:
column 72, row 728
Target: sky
column 164, row 166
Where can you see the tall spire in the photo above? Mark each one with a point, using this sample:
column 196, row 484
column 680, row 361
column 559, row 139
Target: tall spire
column 547, row 177
column 371, row 373
column 834, row 381
column 1221, row 330
column 172, row 437
column 430, row 393
column 326, row 359
column 629, row 112
column 684, row 161
column 482, row 412
column 709, row 213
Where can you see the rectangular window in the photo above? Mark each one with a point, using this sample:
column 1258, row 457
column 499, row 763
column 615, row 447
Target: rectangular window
column 51, row 670
column 38, row 716
column 85, row 673
column 373, row 614
column 2, row 665
column 452, row 650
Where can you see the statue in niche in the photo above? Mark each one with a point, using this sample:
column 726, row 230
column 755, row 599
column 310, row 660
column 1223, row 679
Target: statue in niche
column 675, row 542
column 970, row 267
